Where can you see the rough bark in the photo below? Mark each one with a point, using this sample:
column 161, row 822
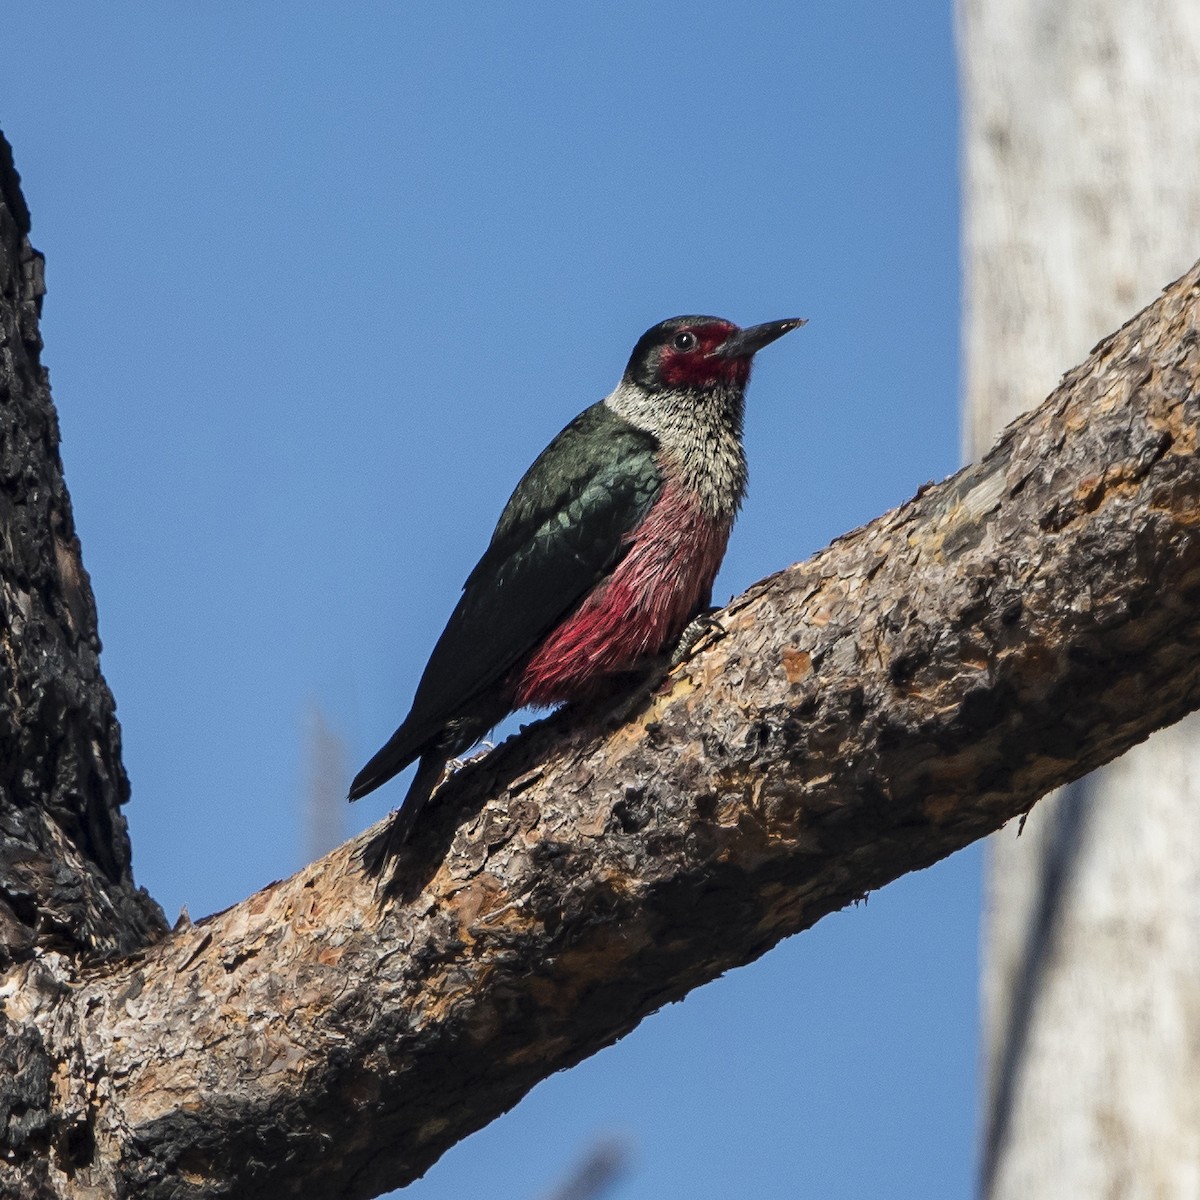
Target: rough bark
column 905, row 692
column 65, row 879
column 1082, row 193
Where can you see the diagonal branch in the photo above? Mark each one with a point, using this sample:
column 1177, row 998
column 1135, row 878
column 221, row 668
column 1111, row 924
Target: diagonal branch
column 908, row 690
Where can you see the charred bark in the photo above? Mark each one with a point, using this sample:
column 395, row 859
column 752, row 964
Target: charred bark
column 65, row 880
column 908, row 690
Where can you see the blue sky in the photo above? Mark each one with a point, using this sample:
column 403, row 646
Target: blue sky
column 323, row 280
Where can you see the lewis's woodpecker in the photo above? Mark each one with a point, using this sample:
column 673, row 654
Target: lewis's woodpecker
column 603, row 555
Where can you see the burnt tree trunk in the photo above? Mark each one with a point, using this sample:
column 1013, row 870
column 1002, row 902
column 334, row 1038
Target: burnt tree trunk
column 65, row 879
column 906, row 691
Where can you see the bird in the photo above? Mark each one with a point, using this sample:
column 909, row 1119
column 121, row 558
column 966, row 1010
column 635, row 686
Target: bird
column 603, row 556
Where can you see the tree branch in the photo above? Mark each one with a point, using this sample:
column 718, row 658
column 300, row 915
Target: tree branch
column 908, row 690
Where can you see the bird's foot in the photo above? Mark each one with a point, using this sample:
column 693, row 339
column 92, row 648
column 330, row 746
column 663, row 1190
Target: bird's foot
column 701, row 625
column 454, row 765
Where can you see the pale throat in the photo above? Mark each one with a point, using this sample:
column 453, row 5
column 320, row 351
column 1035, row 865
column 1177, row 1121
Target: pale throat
column 700, row 440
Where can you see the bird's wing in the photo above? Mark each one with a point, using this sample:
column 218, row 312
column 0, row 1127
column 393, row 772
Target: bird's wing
column 563, row 530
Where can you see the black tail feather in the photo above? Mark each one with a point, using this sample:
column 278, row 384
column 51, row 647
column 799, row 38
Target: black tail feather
column 428, row 776
column 388, row 846
column 395, row 755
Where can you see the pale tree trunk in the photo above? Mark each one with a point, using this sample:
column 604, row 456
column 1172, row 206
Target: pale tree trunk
column 1082, row 195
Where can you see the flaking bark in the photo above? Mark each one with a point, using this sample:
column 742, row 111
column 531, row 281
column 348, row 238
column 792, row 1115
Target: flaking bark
column 909, row 689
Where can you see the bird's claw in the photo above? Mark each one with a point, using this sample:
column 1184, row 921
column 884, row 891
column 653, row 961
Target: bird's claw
column 454, row 765
column 701, row 626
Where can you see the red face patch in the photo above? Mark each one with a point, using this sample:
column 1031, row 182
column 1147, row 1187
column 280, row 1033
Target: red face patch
column 689, row 359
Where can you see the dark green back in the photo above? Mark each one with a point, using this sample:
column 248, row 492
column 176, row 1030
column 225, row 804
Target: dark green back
column 561, row 532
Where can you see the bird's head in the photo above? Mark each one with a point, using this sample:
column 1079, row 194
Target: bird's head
column 700, row 353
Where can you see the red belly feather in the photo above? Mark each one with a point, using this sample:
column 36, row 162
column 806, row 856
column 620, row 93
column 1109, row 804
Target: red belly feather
column 643, row 606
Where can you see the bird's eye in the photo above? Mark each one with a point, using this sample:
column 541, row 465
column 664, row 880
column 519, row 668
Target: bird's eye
column 685, row 340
